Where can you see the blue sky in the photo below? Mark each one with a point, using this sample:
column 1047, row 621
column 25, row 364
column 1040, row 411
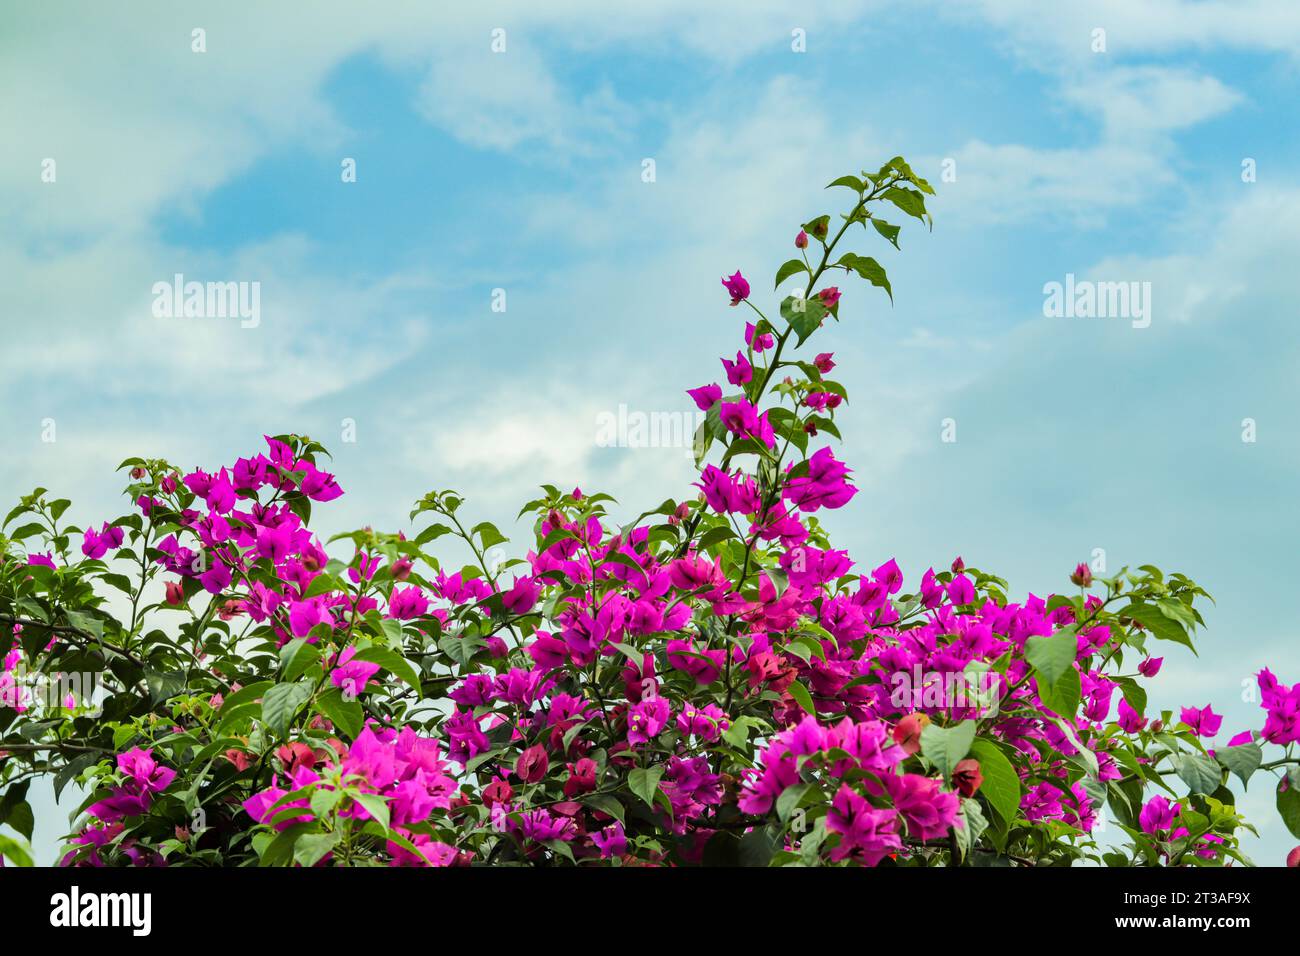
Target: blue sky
column 521, row 171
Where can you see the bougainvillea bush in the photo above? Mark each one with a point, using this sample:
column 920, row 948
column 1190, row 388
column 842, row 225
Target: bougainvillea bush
column 712, row 683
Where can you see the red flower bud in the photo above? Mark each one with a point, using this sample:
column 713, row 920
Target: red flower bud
column 1293, row 858
column 801, row 240
column 1082, row 575
column 175, row 594
column 907, row 732
column 967, row 777
column 958, row 565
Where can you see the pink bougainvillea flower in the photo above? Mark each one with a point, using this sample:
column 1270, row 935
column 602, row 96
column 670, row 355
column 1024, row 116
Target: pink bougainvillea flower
column 144, row 774
column 824, row 486
column 1204, row 722
column 829, row 296
column 522, row 596
column 1158, row 815
column 867, row 834
column 740, row 371
column 927, row 809
column 738, row 287
column 532, row 764
column 1150, row 667
column 961, row 590
column 759, row 341
column 706, row 396
column 646, row 720
column 96, row 544
column 406, row 604
column 741, row 418
column 611, row 841
column 351, row 676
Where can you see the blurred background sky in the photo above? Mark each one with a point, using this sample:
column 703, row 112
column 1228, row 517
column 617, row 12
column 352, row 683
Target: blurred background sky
column 522, row 171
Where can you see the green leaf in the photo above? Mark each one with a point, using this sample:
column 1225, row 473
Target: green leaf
column 375, row 805
column 1001, row 786
column 245, row 695
column 15, row 850
column 802, row 697
column 790, row 268
column 1199, row 772
column 890, row 232
column 488, row 534
column 606, row 804
column 946, row 746
column 324, row 583
column 975, row 824
column 1288, row 805
column 869, row 269
column 85, row 622
column 756, row 848
column 461, row 647
column 852, row 182
column 804, row 315
column 1243, row 760
column 391, row 661
column 1052, row 656
column 296, row 657
column 788, row 802
column 644, row 782
column 1161, row 625
column 1062, row 698
column 346, row 715
column 430, row 533
column 908, row 200
column 311, row 848
column 281, row 703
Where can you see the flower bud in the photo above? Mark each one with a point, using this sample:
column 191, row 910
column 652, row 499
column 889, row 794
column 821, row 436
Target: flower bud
column 907, row 732
column 801, row 240
column 175, row 594
column 967, row 777
column 1082, row 575
column 1293, row 858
